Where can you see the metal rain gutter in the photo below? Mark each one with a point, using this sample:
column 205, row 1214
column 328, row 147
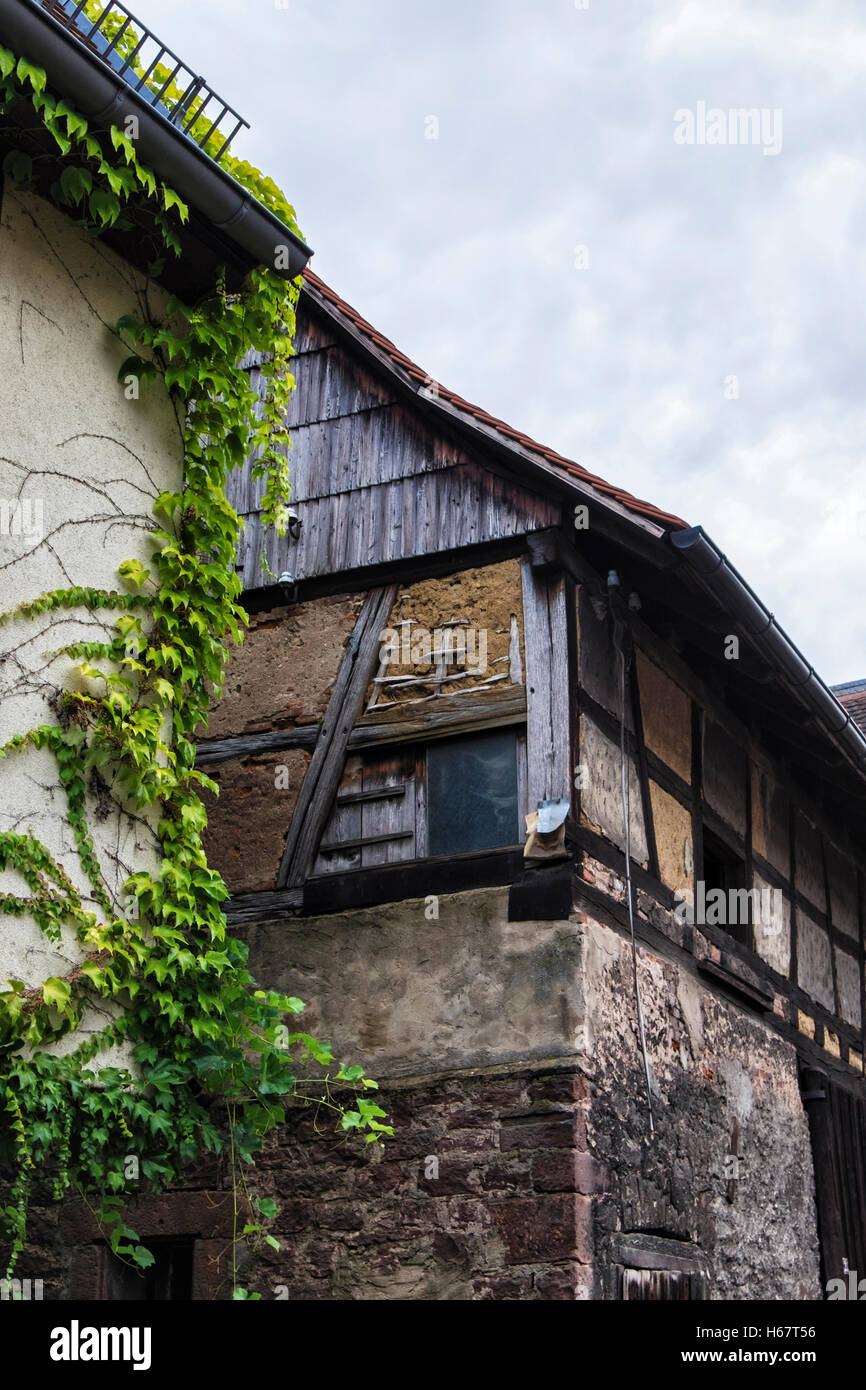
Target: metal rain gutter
column 105, row 98
column 728, row 587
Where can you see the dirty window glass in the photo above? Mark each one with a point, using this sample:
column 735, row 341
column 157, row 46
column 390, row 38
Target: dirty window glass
column 472, row 793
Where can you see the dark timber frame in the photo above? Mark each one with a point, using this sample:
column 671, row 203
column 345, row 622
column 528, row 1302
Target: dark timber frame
column 319, row 786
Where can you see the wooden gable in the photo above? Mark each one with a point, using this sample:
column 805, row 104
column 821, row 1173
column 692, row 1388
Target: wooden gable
column 371, row 482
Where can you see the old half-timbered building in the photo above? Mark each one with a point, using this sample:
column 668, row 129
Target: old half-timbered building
column 527, row 795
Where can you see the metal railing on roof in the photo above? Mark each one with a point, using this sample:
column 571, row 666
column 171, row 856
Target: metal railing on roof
column 152, row 70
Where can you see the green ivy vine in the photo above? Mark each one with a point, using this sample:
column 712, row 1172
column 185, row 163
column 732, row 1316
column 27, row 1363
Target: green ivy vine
column 214, row 1059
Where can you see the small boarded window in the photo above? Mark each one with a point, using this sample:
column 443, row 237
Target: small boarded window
column 656, row 1269
column 472, row 801
column 452, row 796
column 168, row 1279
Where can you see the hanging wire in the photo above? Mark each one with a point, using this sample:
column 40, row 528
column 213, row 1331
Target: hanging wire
column 624, row 663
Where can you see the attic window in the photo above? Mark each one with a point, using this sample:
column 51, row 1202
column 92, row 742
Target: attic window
column 472, row 793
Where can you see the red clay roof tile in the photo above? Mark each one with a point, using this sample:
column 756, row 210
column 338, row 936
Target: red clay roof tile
column 852, row 698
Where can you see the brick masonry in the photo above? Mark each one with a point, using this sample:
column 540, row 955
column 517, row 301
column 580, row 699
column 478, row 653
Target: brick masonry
column 486, row 1192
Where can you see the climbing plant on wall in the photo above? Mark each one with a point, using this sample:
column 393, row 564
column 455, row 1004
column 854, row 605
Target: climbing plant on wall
column 213, row 1058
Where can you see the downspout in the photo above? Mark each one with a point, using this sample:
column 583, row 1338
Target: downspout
column 105, row 99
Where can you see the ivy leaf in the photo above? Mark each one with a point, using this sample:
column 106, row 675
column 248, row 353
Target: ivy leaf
column 120, row 181
column 167, row 503
column 135, row 366
column 143, row 1257
column 133, row 572
column 19, row 166
column 74, row 122
column 121, row 141
column 57, row 992
column 29, row 72
column 322, row 1052
column 63, row 143
column 93, row 972
column 267, row 1206
column 75, row 182
column 172, row 200
column 7, row 62
column 105, row 206
column 368, row 1109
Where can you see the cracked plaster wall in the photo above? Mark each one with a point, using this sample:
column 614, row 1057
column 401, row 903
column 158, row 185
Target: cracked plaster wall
column 90, row 463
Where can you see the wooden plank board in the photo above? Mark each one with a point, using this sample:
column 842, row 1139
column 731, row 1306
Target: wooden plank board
column 258, row 907
column 420, row 788
column 311, row 332
column 218, row 750
column 252, row 546
column 365, row 842
column 445, row 716
column 376, row 444
column 375, row 529
column 451, row 873
column 393, row 540
column 545, row 632
column 358, row 527
column 389, row 816
column 319, row 786
column 522, row 781
column 344, row 823
column 324, row 531
column 331, row 387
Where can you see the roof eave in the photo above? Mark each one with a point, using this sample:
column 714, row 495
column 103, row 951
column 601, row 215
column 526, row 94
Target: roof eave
column 105, row 99
column 725, row 584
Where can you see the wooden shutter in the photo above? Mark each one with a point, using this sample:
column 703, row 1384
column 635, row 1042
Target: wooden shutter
column 656, row 1285
column 837, row 1124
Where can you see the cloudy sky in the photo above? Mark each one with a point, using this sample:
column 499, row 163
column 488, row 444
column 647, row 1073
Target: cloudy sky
column 683, row 318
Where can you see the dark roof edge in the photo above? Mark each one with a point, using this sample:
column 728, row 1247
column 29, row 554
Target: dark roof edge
column 104, row 98
column 723, row 582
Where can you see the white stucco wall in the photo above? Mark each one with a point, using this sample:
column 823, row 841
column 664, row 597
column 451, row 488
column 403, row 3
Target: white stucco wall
column 92, row 462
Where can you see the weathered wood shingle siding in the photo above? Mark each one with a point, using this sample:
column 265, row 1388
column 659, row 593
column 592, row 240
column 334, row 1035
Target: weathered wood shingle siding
column 370, row 481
